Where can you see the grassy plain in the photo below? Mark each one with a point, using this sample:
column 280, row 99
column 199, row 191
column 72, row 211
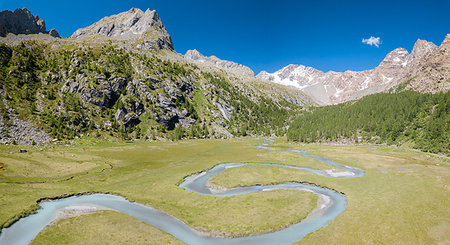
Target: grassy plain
column 105, row 227
column 149, row 173
column 403, row 198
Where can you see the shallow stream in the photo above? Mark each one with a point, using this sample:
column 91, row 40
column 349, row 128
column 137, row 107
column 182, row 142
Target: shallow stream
column 332, row 204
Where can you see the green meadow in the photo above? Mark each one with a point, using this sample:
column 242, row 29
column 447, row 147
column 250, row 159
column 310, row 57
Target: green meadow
column 402, row 199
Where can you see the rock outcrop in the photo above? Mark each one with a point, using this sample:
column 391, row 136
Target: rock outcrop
column 425, row 69
column 196, row 57
column 17, row 130
column 146, row 28
column 430, row 73
column 54, row 33
column 21, row 21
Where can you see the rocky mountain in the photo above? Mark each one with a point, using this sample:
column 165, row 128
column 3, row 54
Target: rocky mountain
column 144, row 28
column 21, row 21
column 104, row 82
column 196, row 57
column 425, row 69
column 431, row 72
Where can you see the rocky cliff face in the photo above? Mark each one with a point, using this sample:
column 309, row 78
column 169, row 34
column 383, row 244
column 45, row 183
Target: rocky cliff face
column 430, row 73
column 196, row 57
column 145, row 28
column 21, row 21
column 426, row 68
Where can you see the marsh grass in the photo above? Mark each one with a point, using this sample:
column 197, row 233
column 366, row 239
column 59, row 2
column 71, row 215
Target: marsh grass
column 148, row 173
column 403, row 198
column 104, row 227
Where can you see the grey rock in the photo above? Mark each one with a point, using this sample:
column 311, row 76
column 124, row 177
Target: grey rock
column 23, row 132
column 196, row 57
column 146, row 28
column 54, row 33
column 119, row 114
column 187, row 122
column 21, row 21
column 225, row 109
column 131, row 119
column 168, row 120
column 164, row 101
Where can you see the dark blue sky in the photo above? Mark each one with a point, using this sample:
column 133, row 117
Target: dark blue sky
column 270, row 34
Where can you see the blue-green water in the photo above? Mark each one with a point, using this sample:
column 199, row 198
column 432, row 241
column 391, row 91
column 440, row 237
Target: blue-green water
column 26, row 229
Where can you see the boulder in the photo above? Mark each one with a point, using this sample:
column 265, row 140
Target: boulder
column 54, row 33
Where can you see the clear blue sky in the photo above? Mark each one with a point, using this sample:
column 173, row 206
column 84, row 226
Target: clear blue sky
column 270, row 34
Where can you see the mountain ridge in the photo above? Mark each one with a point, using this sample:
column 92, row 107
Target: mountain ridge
column 336, row 87
column 196, row 57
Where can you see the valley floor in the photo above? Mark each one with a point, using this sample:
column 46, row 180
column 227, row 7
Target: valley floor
column 403, row 197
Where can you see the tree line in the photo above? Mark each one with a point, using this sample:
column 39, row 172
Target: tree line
column 392, row 118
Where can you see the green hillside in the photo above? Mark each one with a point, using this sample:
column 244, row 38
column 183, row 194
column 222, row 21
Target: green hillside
column 70, row 89
column 392, row 118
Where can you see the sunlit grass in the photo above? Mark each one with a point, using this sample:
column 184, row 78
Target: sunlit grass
column 105, row 227
column 402, row 199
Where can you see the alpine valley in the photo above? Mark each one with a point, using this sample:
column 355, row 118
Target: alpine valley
column 110, row 136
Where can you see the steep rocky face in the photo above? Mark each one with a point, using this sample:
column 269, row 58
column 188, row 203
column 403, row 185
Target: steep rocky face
column 421, row 49
column 431, row 73
column 397, row 67
column 196, row 57
column 21, row 21
column 146, row 28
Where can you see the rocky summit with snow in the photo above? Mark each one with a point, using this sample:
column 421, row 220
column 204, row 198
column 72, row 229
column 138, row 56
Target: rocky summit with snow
column 425, row 69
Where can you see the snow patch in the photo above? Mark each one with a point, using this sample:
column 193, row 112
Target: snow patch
column 366, row 83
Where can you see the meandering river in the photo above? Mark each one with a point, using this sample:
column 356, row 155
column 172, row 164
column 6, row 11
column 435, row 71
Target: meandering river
column 332, row 204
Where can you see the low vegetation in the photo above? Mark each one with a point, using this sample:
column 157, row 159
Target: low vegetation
column 146, row 173
column 103, row 227
column 403, row 192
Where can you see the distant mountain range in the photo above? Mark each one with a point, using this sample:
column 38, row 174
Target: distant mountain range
column 425, row 69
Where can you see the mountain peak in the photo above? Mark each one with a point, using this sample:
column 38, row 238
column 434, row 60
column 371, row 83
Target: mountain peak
column 20, row 21
column 446, row 40
column 398, row 66
column 193, row 54
column 397, row 57
column 132, row 24
column 134, row 10
column 422, row 48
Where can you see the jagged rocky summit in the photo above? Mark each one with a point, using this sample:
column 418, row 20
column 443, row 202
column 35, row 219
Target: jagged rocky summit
column 21, row 21
column 146, row 28
column 425, row 69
